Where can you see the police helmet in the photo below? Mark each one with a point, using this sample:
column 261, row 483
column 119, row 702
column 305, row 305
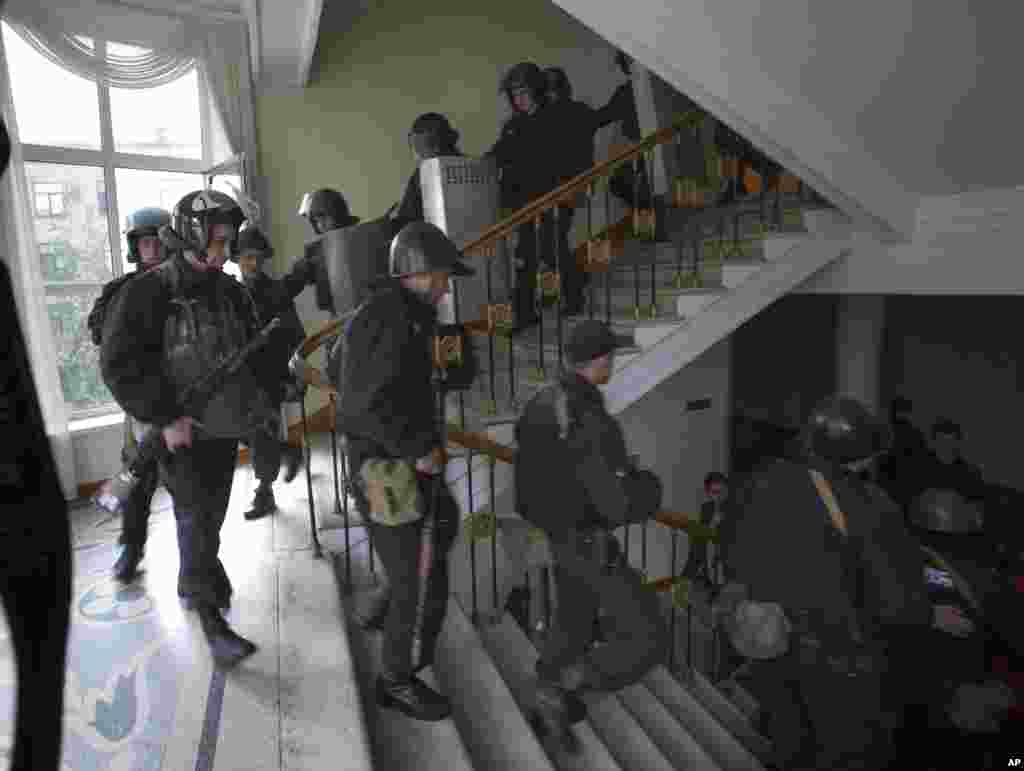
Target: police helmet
column 193, row 216
column 252, row 239
column 842, row 430
column 558, row 82
column 431, row 135
column 421, row 247
column 326, row 202
column 526, row 75
column 945, row 511
column 143, row 222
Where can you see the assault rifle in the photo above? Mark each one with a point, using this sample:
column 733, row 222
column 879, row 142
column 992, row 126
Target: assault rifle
column 115, row 492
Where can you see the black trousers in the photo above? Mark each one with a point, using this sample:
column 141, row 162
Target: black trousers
column 35, row 585
column 635, row 631
column 529, row 258
column 266, row 457
column 399, row 550
column 820, row 717
column 199, row 480
column 135, row 517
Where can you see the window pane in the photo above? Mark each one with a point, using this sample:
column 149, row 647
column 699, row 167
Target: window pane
column 70, row 228
column 51, row 105
column 159, row 121
column 77, row 356
column 137, row 189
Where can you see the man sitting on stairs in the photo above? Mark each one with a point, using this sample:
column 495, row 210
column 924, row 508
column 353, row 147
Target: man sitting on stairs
column 574, row 479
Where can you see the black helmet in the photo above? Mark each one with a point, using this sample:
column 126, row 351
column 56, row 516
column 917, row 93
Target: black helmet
column 431, row 135
column 326, row 201
column 421, row 247
column 529, row 76
column 842, row 430
column 251, row 239
column 193, row 216
column 144, row 222
column 558, row 82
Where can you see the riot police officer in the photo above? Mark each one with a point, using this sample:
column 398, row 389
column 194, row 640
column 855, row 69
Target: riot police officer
column 430, row 136
column 389, row 416
column 146, row 251
column 326, row 209
column 274, row 299
column 833, row 552
column 575, row 480
column 173, row 325
column 529, row 168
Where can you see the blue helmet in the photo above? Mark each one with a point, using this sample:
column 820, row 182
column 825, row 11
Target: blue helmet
column 143, row 222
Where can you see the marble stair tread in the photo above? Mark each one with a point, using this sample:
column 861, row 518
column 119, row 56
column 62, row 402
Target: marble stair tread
column 624, row 735
column 322, row 722
column 717, row 740
column 399, row 742
column 673, row 740
column 515, row 657
column 727, row 713
column 495, row 733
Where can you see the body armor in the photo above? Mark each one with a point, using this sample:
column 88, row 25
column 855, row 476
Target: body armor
column 202, row 329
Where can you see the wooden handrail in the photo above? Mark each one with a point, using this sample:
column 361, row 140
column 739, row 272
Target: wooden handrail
column 575, row 185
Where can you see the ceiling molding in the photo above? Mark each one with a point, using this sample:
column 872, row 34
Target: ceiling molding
column 288, row 37
column 307, row 44
column 180, row 8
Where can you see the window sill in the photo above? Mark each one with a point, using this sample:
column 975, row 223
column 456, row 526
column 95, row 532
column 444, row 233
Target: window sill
column 84, row 425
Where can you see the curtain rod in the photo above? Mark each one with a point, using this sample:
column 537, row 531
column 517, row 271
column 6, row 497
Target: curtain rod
column 175, row 10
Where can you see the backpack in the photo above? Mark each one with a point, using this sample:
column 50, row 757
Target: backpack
column 98, row 315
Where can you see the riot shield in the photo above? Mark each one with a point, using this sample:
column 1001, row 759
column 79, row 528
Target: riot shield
column 351, row 259
column 460, row 196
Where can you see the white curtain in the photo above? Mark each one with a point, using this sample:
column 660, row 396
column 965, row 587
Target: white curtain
column 19, row 251
column 223, row 50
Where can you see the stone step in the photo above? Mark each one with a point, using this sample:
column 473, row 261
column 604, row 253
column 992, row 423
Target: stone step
column 399, row 742
column 674, row 741
column 624, row 735
column 726, row 713
column 493, row 729
column 714, row 738
column 516, row 658
column 322, row 721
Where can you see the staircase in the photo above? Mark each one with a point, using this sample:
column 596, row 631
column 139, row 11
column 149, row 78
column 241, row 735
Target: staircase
column 675, row 297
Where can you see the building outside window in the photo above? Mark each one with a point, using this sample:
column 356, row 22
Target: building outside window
column 93, row 155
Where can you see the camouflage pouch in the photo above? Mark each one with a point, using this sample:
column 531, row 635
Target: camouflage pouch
column 393, row 491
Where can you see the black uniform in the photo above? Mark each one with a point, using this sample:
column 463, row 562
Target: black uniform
column 526, row 155
column 623, row 184
column 824, row 698
column 275, row 298
column 388, row 409
column 135, row 515
column 171, row 324
column 576, row 489
column 901, row 471
column 35, row 571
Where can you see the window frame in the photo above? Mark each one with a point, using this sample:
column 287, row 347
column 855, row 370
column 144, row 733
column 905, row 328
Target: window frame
column 109, row 160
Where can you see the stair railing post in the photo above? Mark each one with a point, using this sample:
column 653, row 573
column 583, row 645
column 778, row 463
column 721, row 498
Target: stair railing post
column 590, row 240
column 334, row 452
column 557, row 235
column 494, row 540
column 538, row 225
column 672, row 605
column 633, row 226
column 317, row 552
column 492, row 330
column 346, row 486
column 511, row 347
column 608, row 233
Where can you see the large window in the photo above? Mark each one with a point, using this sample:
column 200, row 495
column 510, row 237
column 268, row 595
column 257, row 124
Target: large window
column 94, row 154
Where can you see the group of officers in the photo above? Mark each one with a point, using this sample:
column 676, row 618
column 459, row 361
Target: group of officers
column 180, row 315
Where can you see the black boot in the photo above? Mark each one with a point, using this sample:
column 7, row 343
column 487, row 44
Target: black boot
column 127, row 566
column 293, row 458
column 263, row 502
column 412, row 697
column 227, row 647
column 371, row 615
column 550, row 718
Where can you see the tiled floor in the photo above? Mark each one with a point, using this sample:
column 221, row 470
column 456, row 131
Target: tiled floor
column 141, row 693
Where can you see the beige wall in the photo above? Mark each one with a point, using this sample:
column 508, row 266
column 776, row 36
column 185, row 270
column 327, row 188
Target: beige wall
column 347, row 129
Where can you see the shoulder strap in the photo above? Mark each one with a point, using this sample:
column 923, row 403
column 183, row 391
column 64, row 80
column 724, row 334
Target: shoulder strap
column 825, row 491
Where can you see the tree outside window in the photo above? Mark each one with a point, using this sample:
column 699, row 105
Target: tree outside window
column 140, row 147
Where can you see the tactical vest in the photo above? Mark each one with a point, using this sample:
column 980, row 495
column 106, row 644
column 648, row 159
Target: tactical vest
column 205, row 327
